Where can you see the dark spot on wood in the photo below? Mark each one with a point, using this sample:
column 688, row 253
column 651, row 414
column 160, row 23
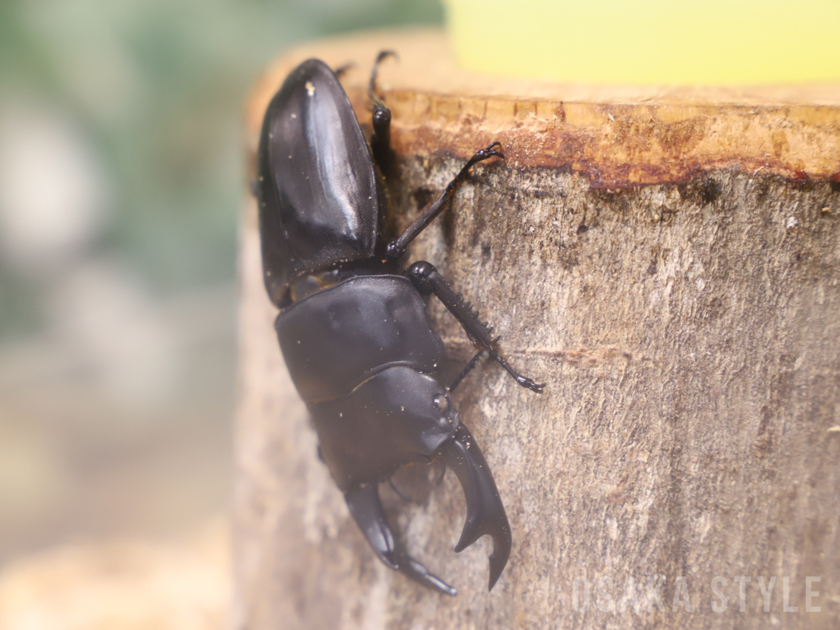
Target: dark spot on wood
column 582, row 228
column 710, row 191
column 762, row 188
column 666, row 215
column 712, row 310
column 423, row 197
column 679, row 137
column 652, row 267
column 485, row 250
column 568, row 259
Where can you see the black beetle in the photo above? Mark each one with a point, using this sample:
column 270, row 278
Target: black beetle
column 352, row 326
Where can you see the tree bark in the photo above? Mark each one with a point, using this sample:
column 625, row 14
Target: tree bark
column 668, row 263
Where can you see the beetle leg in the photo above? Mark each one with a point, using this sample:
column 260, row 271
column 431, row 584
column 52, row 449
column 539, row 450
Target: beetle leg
column 366, row 508
column 396, row 248
column 439, row 480
column 343, row 69
column 485, row 512
column 399, row 492
column 469, row 367
column 380, row 142
column 427, row 279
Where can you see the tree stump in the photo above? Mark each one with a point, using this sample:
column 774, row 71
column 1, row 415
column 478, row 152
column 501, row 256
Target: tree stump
column 668, row 262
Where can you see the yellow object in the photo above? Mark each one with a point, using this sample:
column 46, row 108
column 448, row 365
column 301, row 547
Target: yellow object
column 717, row 42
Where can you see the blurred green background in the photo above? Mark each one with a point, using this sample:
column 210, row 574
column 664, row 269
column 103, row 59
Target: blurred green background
column 121, row 180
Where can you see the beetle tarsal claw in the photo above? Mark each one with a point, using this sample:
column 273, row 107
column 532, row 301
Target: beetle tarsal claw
column 485, row 512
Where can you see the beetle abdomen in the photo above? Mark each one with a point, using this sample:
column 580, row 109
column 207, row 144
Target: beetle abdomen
column 335, row 339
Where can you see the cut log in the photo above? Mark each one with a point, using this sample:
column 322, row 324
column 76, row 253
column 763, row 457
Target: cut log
column 668, row 262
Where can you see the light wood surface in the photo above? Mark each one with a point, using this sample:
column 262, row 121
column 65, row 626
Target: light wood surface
column 616, row 136
column 668, row 262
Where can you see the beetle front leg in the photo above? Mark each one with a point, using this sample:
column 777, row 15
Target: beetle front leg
column 427, row 279
column 380, row 142
column 366, row 508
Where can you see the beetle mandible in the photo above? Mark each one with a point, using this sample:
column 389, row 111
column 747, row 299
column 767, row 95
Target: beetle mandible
column 352, row 325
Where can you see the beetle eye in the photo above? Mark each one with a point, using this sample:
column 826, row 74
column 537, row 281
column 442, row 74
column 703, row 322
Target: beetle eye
column 442, row 402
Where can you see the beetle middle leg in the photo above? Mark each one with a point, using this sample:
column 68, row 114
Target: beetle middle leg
column 427, row 279
column 469, row 367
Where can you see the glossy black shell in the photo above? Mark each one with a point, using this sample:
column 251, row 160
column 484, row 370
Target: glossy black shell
column 320, row 202
column 364, row 359
column 341, row 336
column 352, row 326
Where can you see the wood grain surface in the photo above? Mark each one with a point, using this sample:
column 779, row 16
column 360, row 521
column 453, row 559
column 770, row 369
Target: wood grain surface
column 668, row 262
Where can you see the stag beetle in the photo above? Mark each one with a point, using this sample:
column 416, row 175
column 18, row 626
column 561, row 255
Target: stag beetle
column 352, row 326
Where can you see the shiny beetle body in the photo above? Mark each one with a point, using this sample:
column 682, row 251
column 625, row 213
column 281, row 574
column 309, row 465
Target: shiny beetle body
column 352, row 325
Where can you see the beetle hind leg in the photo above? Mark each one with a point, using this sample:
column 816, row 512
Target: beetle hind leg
column 366, row 508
